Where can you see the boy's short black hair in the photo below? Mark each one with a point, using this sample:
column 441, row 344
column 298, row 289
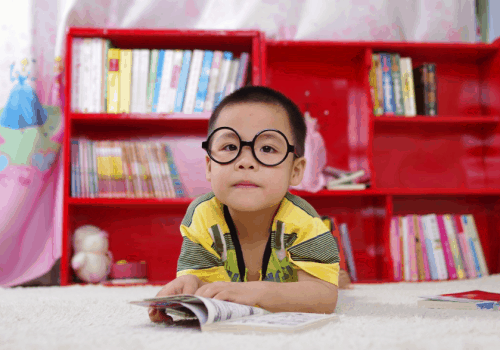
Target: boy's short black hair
column 267, row 95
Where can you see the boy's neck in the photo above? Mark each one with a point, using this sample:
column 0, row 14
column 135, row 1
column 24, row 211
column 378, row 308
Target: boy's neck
column 253, row 226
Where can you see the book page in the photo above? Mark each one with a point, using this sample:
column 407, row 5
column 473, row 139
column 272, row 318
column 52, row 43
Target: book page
column 219, row 310
column 282, row 319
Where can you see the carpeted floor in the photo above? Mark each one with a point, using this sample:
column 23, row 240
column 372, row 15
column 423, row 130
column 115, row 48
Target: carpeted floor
column 372, row 316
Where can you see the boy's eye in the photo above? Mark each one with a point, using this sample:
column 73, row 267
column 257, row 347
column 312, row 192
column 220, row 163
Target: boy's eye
column 230, row 147
column 268, row 149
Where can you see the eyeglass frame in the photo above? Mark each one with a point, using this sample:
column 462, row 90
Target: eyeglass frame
column 251, row 144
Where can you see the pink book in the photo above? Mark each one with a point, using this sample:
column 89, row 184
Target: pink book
column 427, row 270
column 448, row 256
column 396, row 249
column 464, row 248
column 85, row 169
column 412, row 249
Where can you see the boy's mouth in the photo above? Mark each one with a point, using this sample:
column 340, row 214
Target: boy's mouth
column 246, row 184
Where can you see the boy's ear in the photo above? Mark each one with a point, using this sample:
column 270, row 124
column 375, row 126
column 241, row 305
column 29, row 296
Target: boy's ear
column 208, row 168
column 298, row 168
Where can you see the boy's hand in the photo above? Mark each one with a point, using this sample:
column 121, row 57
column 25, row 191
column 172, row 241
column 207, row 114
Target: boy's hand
column 187, row 284
column 247, row 293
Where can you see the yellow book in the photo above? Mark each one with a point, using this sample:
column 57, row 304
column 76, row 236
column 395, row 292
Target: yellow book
column 377, row 108
column 125, row 80
column 113, row 80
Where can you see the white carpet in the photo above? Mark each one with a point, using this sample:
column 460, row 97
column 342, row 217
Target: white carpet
column 372, row 316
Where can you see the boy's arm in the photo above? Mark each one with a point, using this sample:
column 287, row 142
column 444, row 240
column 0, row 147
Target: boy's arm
column 309, row 294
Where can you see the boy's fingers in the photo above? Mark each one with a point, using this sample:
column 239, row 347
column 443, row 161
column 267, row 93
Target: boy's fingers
column 159, row 316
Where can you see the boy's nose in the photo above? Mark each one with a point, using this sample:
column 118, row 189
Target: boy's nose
column 246, row 158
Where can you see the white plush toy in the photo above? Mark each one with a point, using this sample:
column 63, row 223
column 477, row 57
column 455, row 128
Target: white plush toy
column 91, row 260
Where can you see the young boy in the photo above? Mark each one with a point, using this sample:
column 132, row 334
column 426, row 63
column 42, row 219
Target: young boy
column 250, row 228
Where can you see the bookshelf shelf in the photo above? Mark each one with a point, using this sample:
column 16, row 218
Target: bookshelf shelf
column 420, row 165
column 142, row 228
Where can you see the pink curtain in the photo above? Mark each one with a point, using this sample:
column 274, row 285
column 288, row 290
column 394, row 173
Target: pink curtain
column 30, row 166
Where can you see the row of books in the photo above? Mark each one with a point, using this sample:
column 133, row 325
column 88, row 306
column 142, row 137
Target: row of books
column 399, row 89
column 436, row 247
column 124, row 169
column 113, row 80
column 341, row 236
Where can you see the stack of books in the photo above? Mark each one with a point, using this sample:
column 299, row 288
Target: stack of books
column 345, row 180
column 399, row 90
column 113, row 80
column 436, row 247
column 124, row 169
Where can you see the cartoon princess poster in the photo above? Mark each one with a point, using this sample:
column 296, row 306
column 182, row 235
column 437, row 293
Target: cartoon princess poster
column 23, row 108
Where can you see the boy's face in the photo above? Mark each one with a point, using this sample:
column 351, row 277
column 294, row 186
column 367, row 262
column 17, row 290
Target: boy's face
column 270, row 184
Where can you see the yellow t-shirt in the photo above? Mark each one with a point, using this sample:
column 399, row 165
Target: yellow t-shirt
column 298, row 240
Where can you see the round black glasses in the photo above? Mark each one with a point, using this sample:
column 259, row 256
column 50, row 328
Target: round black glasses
column 270, row 147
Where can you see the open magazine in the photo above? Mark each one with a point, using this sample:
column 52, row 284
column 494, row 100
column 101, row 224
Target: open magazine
column 224, row 316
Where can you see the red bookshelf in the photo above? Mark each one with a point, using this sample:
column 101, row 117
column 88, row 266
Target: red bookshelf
column 444, row 164
column 141, row 229
column 418, row 165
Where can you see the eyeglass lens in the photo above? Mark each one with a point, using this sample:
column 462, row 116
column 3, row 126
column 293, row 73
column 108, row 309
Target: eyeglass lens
column 270, row 147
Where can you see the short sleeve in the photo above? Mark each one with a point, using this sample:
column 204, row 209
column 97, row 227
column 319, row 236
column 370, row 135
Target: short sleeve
column 198, row 257
column 315, row 251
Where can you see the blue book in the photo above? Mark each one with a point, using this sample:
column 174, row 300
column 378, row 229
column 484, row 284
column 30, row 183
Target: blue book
column 174, row 174
column 387, row 86
column 470, row 242
column 159, row 72
column 183, row 78
column 240, row 78
column 203, row 82
column 223, row 76
column 74, row 169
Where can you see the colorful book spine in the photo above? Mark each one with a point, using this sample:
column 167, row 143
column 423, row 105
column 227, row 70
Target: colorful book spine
column 464, row 247
column 85, row 88
column 396, row 83
column 193, row 80
column 412, row 248
column 76, row 48
column 113, row 80
column 408, row 86
column 83, row 163
column 153, row 70
column 118, row 170
column 438, row 249
column 201, row 94
column 167, row 178
column 344, row 235
column 127, row 170
column 102, row 170
column 380, row 83
column 98, row 66
column 432, row 89
column 94, row 165
column 477, row 244
column 389, row 104
column 395, row 248
column 418, row 247
column 125, row 80
column 134, row 101
column 452, row 240
column 136, row 180
column 231, row 80
column 429, row 245
column 183, row 78
column 90, row 164
column 421, row 81
column 472, row 247
column 403, row 227
column 94, row 61
column 158, row 81
column 107, row 46
column 144, row 63
column 174, row 83
column 241, row 76
column 421, row 235
column 164, row 82
column 74, row 168
column 448, row 255
column 227, row 57
column 378, row 109
column 212, row 81
column 153, row 153
column 176, row 180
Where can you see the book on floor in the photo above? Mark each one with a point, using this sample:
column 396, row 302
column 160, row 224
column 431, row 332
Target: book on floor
column 223, row 316
column 468, row 300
